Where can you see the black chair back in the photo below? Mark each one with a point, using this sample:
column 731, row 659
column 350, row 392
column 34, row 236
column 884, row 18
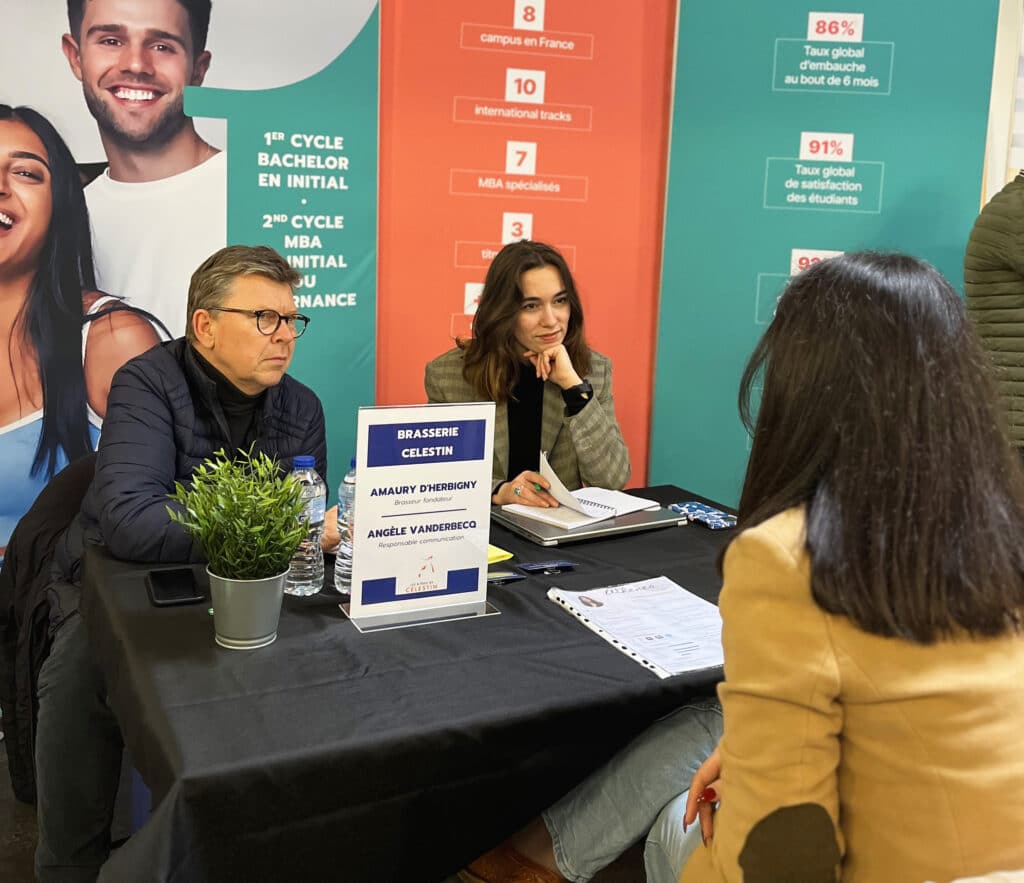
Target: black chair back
column 24, row 637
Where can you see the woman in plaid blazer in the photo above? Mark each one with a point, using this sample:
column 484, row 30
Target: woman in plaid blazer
column 553, row 393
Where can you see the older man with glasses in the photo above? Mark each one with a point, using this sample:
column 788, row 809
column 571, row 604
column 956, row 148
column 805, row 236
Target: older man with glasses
column 223, row 386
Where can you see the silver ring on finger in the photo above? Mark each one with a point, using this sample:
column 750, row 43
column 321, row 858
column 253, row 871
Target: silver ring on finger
column 517, row 490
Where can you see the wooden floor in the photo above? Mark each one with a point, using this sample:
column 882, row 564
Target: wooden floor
column 18, row 842
column 629, row 868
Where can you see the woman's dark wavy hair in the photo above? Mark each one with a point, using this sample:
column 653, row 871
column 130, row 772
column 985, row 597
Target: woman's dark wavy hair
column 52, row 315
column 492, row 356
column 878, row 414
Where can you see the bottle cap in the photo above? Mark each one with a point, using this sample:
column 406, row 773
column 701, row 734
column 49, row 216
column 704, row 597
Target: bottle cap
column 303, row 461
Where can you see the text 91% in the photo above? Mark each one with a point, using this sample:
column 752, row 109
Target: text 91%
column 825, row 148
column 835, row 146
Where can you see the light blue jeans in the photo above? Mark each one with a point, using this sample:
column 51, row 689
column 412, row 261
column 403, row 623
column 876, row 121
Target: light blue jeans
column 668, row 847
column 644, row 785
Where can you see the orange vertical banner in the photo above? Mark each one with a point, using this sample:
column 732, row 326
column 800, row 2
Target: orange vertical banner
column 510, row 119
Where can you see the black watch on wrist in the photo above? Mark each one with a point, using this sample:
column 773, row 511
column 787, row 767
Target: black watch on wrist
column 575, row 397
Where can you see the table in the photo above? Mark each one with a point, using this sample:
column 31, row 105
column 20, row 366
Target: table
column 397, row 755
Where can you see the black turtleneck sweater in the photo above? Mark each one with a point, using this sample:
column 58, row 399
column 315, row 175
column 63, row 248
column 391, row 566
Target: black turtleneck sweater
column 241, row 411
column 525, row 411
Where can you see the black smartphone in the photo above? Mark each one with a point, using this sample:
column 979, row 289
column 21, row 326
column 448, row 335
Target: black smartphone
column 546, row 567
column 168, row 588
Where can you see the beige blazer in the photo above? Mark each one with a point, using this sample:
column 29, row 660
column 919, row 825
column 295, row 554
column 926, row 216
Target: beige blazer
column 585, row 449
column 897, row 762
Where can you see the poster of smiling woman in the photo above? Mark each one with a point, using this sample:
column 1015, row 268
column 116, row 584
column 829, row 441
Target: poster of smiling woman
column 63, row 338
column 136, row 138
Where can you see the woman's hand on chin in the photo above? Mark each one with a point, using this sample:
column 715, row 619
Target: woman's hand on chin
column 532, row 491
column 555, row 365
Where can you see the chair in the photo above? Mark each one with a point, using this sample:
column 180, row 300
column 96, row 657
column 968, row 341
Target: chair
column 24, row 613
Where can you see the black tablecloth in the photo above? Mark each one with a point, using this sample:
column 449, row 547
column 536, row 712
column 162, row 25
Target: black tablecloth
column 396, row 755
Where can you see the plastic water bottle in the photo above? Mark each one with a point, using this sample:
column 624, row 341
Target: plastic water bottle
column 346, row 516
column 306, row 576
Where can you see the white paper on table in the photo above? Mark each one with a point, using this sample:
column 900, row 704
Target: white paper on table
column 615, row 501
column 580, row 508
column 656, row 622
column 587, row 499
column 558, row 490
column 570, row 514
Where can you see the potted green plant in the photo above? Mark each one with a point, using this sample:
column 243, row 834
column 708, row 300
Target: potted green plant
column 246, row 515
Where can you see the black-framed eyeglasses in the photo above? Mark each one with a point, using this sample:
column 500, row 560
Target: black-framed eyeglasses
column 268, row 321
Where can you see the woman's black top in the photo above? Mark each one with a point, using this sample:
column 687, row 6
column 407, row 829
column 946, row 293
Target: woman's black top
column 525, row 416
column 525, row 411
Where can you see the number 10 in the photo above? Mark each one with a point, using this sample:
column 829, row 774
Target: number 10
column 524, row 86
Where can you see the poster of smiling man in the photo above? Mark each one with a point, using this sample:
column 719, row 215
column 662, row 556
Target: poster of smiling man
column 135, row 139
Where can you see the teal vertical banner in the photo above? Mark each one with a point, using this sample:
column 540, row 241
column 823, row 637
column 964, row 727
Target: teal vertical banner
column 797, row 134
column 302, row 178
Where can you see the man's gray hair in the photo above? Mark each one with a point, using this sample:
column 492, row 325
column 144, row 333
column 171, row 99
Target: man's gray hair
column 211, row 282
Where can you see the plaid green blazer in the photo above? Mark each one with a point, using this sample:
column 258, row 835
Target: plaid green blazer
column 585, row 449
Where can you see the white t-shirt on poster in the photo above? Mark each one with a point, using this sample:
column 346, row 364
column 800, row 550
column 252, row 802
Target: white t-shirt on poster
column 148, row 238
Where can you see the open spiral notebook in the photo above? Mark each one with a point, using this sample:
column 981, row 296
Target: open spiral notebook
column 580, row 508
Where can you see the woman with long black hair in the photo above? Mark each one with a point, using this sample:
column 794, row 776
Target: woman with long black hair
column 873, row 604
column 60, row 340
column 873, row 621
